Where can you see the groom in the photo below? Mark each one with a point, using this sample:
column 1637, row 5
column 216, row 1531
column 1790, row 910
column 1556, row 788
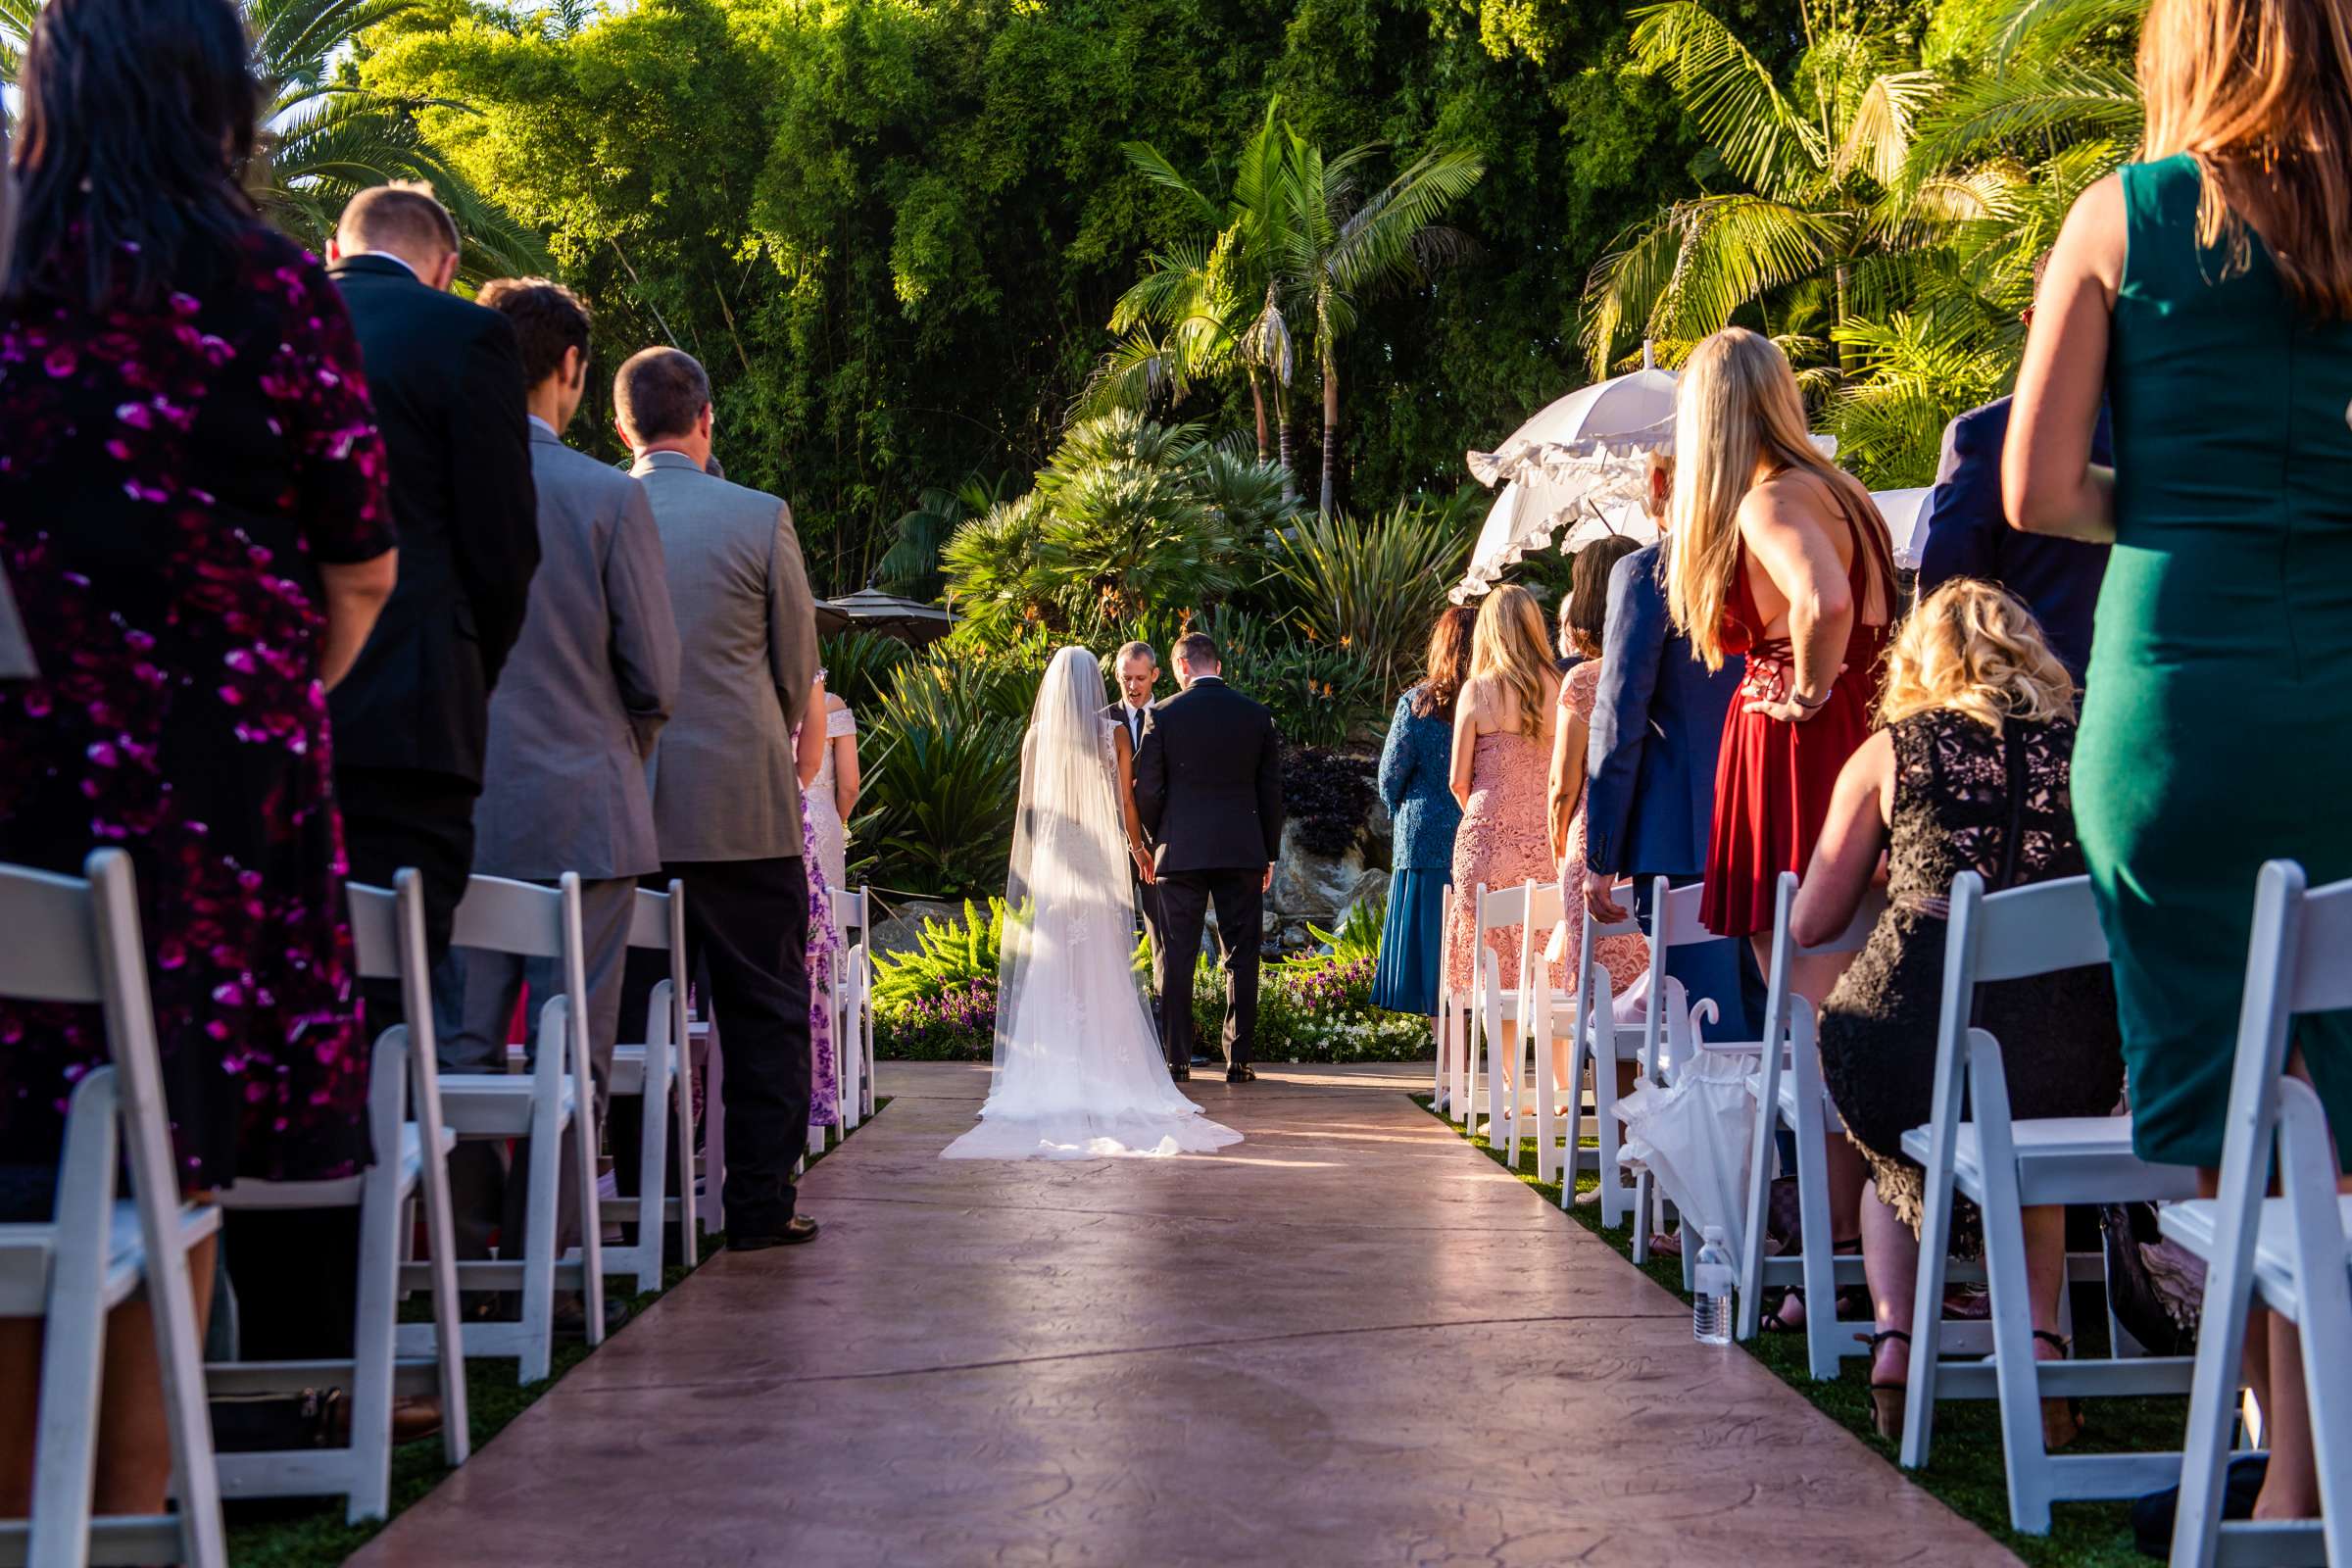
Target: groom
column 1208, row 787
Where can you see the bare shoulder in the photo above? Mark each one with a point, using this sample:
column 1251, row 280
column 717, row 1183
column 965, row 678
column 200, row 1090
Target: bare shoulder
column 2090, row 243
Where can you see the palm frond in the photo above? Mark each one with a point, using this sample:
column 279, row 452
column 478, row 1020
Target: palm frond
column 1739, row 107
column 1156, row 168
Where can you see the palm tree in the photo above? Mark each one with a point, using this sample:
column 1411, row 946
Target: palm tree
column 912, row 564
column 1821, row 156
column 1207, row 305
column 324, row 138
column 1339, row 246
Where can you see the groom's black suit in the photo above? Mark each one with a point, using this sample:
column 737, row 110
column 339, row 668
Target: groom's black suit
column 1208, row 787
column 1147, row 894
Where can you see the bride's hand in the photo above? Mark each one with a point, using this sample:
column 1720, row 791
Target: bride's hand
column 1143, row 863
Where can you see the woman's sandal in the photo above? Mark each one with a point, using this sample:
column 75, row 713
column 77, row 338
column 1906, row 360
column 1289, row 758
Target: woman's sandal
column 2067, row 1413
column 1852, row 1299
column 1887, row 1399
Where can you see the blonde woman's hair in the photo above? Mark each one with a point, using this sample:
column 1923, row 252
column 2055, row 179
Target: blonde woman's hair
column 2259, row 92
column 1976, row 650
column 1737, row 406
column 1508, row 645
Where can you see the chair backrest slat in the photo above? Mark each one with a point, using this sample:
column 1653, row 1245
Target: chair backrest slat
column 649, row 920
column 45, row 947
column 1502, row 906
column 2042, row 929
column 1674, row 917
column 1543, row 904
column 2320, row 970
column 499, row 915
column 374, row 931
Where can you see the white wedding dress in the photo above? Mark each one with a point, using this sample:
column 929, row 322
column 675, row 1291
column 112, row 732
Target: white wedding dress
column 1078, row 1071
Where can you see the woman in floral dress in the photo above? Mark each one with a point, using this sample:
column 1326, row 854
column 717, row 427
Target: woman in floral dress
column 192, row 513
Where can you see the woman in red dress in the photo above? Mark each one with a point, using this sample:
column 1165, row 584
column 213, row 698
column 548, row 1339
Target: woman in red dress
column 1783, row 556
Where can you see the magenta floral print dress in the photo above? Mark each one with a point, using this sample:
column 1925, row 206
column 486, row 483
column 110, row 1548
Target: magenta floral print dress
column 172, row 477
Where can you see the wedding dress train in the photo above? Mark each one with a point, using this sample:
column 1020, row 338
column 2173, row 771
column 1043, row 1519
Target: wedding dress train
column 1078, row 1070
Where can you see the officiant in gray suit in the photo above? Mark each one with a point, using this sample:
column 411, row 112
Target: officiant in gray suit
column 586, row 693
column 727, row 793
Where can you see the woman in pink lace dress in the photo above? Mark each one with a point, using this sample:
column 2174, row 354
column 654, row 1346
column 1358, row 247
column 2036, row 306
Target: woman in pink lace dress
column 1501, row 738
column 1582, row 615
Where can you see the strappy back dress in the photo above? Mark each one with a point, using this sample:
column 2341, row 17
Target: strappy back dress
column 1774, row 778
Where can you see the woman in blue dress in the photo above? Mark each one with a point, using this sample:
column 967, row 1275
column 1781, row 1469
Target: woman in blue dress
column 1414, row 770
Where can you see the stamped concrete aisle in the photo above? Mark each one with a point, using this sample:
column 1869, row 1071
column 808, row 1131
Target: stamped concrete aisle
column 1350, row 1339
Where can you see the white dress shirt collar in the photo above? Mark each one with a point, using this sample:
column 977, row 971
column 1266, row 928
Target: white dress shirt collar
column 383, row 256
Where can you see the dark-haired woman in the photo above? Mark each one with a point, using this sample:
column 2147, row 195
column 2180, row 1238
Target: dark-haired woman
column 192, row 511
column 1414, row 766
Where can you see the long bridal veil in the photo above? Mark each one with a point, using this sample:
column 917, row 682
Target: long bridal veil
column 1078, row 1068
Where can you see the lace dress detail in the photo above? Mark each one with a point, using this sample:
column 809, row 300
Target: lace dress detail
column 1503, row 841
column 2060, row 1045
column 1627, row 959
column 831, row 834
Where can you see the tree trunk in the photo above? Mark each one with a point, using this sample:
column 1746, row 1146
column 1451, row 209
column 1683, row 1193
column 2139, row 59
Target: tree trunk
column 1331, row 430
column 1258, row 399
column 1281, row 431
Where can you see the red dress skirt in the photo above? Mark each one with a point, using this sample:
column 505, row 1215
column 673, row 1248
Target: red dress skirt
column 1774, row 778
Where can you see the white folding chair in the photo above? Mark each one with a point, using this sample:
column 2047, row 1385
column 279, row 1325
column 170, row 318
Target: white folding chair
column 2289, row 1251
column 852, row 1028
column 1790, row 1094
column 552, row 1107
column 1499, row 1010
column 77, row 940
column 650, row 1072
column 2005, row 1166
column 412, row 1154
column 1596, row 1039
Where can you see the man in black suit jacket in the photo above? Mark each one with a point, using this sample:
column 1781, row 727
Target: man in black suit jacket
column 413, row 718
column 1968, row 534
column 1208, row 788
column 1139, row 673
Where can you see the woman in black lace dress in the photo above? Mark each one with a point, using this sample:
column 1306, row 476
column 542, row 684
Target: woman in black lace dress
column 1977, row 736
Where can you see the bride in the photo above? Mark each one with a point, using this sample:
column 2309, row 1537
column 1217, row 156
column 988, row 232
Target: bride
column 1078, row 1068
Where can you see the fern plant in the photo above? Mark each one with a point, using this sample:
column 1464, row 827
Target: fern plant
column 948, row 957
column 1358, row 936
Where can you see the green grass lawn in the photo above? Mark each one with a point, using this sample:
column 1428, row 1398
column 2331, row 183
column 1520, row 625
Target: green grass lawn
column 1966, row 1468
column 310, row 1532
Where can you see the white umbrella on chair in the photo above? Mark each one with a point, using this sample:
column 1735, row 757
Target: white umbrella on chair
column 1693, row 1135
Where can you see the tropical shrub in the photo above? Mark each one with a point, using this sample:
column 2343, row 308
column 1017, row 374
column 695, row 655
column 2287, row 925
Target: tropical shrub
column 948, row 958
column 1358, row 936
column 859, row 665
column 953, row 1026
column 1129, row 515
column 1373, row 586
column 1320, row 693
column 942, row 765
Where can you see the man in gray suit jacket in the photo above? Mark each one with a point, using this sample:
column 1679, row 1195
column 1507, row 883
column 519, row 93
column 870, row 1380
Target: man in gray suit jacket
column 726, row 796
column 586, row 693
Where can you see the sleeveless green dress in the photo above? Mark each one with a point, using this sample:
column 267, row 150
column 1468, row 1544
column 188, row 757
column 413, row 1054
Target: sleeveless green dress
column 2216, row 722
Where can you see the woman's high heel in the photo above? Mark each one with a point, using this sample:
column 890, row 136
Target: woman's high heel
column 1886, row 1400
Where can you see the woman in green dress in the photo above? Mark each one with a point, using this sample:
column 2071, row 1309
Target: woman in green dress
column 2206, row 294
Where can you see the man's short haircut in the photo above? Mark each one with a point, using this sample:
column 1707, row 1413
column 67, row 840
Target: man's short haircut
column 403, row 218
column 548, row 319
column 1141, row 651
column 1199, row 650
column 660, row 394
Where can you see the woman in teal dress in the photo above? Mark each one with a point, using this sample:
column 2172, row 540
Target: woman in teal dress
column 1414, row 766
column 2207, row 294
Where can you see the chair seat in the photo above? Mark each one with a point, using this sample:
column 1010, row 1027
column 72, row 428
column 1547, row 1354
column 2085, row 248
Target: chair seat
column 628, row 1070
column 341, row 1192
column 1829, row 1119
column 496, row 1105
column 2193, row 1224
column 28, row 1253
column 2065, row 1160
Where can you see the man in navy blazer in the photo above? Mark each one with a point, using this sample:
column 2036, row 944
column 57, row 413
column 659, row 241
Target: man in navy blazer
column 1649, row 804
column 1969, row 536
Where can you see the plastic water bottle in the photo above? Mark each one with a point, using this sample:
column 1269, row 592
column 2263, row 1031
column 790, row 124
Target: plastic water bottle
column 1711, row 1284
